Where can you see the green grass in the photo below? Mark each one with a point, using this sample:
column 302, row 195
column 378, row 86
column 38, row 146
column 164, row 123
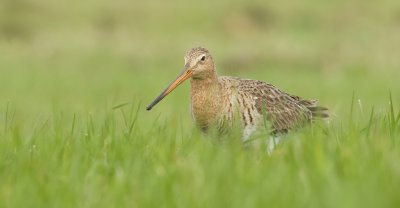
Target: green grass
column 75, row 77
column 109, row 159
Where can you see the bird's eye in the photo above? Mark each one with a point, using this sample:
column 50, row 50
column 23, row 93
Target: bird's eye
column 203, row 58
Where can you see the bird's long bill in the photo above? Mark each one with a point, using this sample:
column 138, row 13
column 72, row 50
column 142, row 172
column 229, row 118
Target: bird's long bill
column 184, row 75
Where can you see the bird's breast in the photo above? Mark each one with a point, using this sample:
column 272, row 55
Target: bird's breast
column 205, row 109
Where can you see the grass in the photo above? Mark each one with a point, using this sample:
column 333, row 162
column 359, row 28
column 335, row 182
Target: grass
column 111, row 160
column 75, row 78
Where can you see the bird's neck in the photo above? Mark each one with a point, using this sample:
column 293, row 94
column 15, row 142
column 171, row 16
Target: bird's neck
column 205, row 86
column 205, row 99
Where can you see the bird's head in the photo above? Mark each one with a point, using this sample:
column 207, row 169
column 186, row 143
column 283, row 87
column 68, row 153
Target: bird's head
column 198, row 65
column 199, row 62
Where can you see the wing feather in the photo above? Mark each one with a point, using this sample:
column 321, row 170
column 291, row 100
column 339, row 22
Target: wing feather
column 283, row 111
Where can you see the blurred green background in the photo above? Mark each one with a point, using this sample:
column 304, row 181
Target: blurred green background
column 64, row 62
column 78, row 54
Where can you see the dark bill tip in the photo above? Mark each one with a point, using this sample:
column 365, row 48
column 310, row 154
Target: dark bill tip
column 185, row 74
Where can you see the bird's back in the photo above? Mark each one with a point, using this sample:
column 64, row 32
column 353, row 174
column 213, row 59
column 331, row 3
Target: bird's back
column 256, row 100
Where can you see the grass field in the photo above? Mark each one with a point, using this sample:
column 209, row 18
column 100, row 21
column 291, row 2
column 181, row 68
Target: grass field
column 75, row 77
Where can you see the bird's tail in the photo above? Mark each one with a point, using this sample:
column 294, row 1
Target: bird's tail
column 318, row 112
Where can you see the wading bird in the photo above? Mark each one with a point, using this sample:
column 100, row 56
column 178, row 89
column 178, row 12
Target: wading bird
column 217, row 101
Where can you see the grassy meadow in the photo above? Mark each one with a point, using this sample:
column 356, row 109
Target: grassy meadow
column 76, row 76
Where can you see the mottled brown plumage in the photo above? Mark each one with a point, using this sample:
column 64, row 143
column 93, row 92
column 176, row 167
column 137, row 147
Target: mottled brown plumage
column 217, row 101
